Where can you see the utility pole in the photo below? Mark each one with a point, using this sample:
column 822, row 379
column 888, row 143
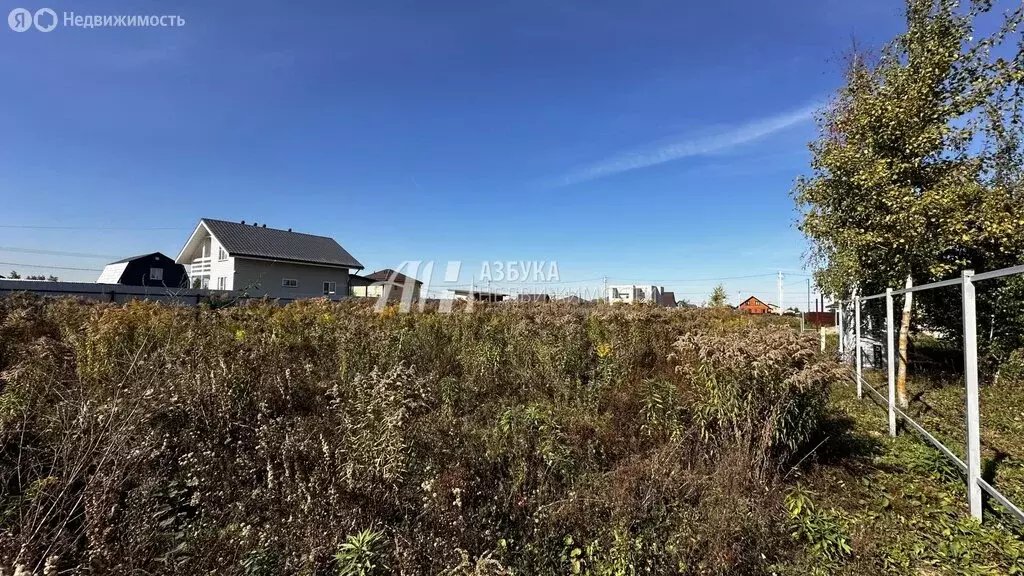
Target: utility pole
column 604, row 288
column 780, row 292
column 808, row 309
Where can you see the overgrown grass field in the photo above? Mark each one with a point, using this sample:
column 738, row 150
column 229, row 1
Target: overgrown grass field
column 328, row 438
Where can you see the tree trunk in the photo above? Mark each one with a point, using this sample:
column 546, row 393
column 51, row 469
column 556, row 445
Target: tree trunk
column 901, row 374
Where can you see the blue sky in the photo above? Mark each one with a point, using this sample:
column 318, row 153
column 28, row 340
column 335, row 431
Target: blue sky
column 641, row 141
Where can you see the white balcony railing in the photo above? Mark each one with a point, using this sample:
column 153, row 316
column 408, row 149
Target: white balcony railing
column 199, row 267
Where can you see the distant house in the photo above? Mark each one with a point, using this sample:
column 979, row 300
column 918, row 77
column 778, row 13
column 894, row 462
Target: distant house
column 632, row 294
column 155, row 269
column 392, row 285
column 223, row 255
column 358, row 286
column 477, row 295
column 668, row 299
column 533, row 298
column 753, row 305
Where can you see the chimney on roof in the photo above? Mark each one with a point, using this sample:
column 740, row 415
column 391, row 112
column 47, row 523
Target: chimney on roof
column 264, row 225
column 289, row 229
column 255, row 224
column 243, row 221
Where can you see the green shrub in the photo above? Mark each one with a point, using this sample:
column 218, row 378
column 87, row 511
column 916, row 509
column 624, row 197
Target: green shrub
column 824, row 530
column 357, row 556
column 1012, row 369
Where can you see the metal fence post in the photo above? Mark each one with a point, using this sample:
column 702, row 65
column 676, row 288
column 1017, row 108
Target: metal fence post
column 971, row 380
column 839, row 308
column 891, row 357
column 856, row 344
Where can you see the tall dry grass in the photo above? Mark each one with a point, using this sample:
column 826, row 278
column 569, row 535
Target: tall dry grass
column 326, row 438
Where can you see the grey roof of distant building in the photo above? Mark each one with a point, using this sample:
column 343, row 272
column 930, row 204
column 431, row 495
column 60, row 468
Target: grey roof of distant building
column 533, row 298
column 668, row 299
column 242, row 240
column 389, row 275
column 130, row 258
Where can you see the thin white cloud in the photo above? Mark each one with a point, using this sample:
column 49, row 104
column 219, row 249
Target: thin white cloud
column 691, row 146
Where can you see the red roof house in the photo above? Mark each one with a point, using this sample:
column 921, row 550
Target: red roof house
column 753, row 305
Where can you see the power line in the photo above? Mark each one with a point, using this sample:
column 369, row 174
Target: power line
column 23, row 265
column 39, row 227
column 721, row 278
column 55, row 252
column 701, row 279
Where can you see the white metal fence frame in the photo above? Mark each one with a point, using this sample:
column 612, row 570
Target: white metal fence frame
column 972, row 467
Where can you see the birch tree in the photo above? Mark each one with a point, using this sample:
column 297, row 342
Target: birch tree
column 900, row 188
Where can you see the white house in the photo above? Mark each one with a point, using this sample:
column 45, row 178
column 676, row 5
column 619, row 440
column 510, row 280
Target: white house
column 477, row 296
column 223, row 255
column 632, row 293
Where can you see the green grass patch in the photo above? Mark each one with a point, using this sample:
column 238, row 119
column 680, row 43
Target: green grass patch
column 899, row 502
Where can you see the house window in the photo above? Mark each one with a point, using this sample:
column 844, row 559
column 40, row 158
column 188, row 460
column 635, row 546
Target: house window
column 222, row 283
column 289, row 283
column 156, row 274
column 222, row 254
column 330, row 288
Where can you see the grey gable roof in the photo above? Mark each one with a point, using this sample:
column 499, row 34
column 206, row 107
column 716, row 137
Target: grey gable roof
column 130, row 258
column 389, row 275
column 273, row 244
